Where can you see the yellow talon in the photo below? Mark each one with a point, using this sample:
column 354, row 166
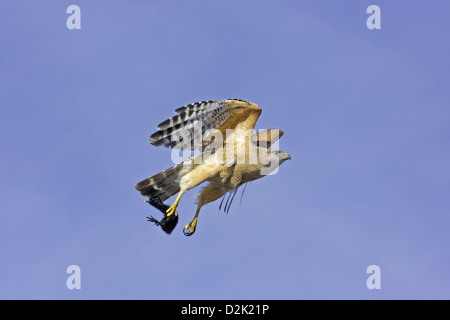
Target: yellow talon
column 189, row 229
column 171, row 211
column 173, row 207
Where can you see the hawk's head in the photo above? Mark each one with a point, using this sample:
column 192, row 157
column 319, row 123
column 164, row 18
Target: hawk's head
column 271, row 159
column 283, row 156
column 279, row 155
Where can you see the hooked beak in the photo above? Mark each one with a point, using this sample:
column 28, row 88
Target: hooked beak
column 286, row 157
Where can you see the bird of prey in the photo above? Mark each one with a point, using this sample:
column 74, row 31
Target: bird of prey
column 230, row 154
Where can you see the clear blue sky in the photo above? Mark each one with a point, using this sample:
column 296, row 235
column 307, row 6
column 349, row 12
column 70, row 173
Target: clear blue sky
column 366, row 116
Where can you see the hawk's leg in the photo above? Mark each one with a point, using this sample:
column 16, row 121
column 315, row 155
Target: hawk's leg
column 189, row 229
column 173, row 207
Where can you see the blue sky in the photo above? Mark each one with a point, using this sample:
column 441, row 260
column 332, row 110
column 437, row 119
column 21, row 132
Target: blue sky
column 366, row 116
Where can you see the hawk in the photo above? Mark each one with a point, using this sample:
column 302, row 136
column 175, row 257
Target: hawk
column 230, row 153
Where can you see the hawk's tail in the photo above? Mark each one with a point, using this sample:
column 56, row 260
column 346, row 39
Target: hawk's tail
column 164, row 184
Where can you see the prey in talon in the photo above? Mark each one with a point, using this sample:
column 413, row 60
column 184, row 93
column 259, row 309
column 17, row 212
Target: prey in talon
column 168, row 223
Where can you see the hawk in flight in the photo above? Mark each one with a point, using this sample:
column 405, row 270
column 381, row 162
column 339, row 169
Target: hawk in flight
column 230, row 154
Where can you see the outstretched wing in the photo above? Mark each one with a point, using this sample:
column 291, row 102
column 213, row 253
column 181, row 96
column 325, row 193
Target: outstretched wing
column 187, row 129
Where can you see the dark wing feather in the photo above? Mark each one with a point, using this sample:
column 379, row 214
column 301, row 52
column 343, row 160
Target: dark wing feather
column 190, row 127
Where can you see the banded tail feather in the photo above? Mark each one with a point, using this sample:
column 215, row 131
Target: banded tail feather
column 162, row 185
column 166, row 183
